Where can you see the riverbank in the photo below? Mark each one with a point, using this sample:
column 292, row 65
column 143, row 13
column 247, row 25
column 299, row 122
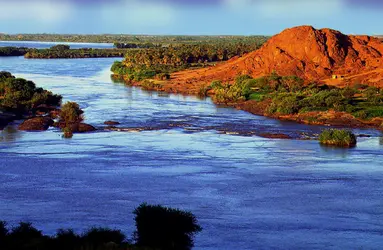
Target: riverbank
column 327, row 118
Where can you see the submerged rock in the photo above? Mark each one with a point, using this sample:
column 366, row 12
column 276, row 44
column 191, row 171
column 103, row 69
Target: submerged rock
column 111, row 123
column 36, row 124
column 83, row 128
column 275, row 136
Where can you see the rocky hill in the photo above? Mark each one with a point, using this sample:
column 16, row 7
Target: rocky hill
column 304, row 51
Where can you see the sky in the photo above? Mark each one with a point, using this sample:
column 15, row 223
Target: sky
column 188, row 17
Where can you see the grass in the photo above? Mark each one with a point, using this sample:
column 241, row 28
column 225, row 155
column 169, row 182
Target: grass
column 337, row 137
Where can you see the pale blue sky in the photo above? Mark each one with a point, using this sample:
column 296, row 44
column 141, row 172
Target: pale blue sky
column 193, row 17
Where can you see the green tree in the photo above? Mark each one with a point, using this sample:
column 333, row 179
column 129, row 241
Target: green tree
column 161, row 227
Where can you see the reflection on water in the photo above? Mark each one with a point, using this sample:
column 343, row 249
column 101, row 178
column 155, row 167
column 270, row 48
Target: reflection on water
column 343, row 152
column 10, row 134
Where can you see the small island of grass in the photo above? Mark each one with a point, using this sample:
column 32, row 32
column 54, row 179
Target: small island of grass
column 338, row 138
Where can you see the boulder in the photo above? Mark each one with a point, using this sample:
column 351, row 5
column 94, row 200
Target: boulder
column 36, row 124
column 275, row 136
column 76, row 127
column 83, row 128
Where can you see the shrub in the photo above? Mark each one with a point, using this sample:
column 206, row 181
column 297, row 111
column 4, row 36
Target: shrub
column 3, row 231
column 292, row 83
column 337, row 137
column 165, row 228
column 120, row 69
column 163, row 76
column 99, row 236
column 203, row 91
column 150, row 85
column 71, row 113
column 216, row 84
column 68, row 133
column 257, row 97
column 25, row 236
column 285, row 103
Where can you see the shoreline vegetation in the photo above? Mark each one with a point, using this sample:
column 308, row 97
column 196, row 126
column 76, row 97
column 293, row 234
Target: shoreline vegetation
column 196, row 49
column 151, row 62
column 134, row 39
column 61, row 52
column 157, row 227
column 280, row 97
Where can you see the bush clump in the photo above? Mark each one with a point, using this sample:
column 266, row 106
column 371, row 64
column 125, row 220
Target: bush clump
column 71, row 113
column 338, row 138
column 161, row 227
column 18, row 95
column 157, row 227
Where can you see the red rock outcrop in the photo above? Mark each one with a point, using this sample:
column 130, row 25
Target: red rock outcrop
column 302, row 51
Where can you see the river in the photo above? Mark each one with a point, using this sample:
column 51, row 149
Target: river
column 247, row 192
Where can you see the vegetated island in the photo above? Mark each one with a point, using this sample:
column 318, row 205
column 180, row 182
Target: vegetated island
column 20, row 99
column 338, row 138
column 64, row 51
column 302, row 74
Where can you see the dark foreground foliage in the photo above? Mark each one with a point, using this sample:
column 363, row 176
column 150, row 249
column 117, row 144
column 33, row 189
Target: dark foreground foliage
column 165, row 228
column 158, row 228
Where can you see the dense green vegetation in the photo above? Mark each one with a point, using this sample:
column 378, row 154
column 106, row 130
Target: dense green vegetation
column 71, row 113
column 290, row 95
column 20, row 96
column 140, row 64
column 338, row 138
column 64, row 51
column 137, row 39
column 157, row 227
column 13, row 51
column 136, row 45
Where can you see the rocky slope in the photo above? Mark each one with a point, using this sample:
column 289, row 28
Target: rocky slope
column 303, row 51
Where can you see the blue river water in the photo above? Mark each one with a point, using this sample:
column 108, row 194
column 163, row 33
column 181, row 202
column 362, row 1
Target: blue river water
column 247, row 192
column 45, row 45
